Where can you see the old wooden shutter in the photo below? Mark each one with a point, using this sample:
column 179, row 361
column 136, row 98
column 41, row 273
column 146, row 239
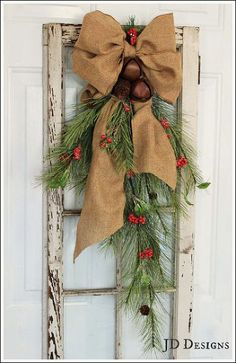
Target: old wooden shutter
column 58, row 39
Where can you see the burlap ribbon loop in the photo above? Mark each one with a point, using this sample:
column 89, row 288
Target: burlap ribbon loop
column 101, row 49
column 98, row 58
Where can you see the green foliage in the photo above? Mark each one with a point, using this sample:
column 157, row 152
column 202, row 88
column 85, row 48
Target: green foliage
column 143, row 279
column 119, row 128
column 131, row 24
column 63, row 170
column 181, row 141
column 203, row 185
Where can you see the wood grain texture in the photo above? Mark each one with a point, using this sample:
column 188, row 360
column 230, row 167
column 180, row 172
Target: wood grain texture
column 45, row 200
column 54, row 198
column 185, row 247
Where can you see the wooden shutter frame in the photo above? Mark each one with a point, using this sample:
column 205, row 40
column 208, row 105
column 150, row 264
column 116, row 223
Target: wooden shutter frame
column 55, row 37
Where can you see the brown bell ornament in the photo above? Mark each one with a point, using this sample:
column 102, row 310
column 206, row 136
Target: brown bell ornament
column 122, row 89
column 131, row 70
column 140, row 90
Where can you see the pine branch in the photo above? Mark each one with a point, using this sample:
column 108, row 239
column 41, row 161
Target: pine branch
column 119, row 129
column 63, row 170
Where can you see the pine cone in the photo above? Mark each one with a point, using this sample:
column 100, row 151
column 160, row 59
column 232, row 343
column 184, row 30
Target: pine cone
column 122, row 89
column 153, row 196
column 144, row 310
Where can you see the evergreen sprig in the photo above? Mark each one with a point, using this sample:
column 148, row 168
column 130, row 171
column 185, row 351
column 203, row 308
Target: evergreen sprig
column 62, row 169
column 181, row 141
column 119, row 128
column 143, row 279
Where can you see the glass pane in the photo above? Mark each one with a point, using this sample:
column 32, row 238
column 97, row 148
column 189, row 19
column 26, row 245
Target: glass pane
column 89, row 328
column 92, row 269
column 132, row 345
column 73, row 88
column 73, row 85
column 71, row 200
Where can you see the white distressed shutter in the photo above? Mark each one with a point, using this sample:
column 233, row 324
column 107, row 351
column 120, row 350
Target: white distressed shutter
column 79, row 300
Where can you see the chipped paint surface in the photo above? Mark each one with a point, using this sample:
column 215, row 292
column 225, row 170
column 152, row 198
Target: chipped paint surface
column 54, row 198
column 185, row 246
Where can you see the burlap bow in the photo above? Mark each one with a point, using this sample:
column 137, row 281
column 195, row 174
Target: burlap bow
column 98, row 58
column 101, row 49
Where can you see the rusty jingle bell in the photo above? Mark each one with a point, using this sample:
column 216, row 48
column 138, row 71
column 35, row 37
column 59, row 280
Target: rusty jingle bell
column 131, row 83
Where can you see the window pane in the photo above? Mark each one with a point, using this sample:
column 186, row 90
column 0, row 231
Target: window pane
column 89, row 328
column 71, row 200
column 132, row 345
column 92, row 269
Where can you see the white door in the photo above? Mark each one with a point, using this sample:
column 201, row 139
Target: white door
column 23, row 160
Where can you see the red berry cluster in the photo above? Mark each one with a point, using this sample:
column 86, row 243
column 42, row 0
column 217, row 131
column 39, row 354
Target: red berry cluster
column 181, row 162
column 126, row 107
column 165, row 123
column 136, row 220
column 132, row 33
column 130, row 173
column 77, row 153
column 146, row 254
column 105, row 141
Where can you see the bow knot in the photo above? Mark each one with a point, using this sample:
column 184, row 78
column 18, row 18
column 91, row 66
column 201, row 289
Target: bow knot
column 129, row 50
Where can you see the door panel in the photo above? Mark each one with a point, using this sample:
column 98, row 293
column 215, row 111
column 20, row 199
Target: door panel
column 23, row 237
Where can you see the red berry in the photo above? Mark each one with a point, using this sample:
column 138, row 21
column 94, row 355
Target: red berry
column 181, row 162
column 103, row 137
column 169, row 136
column 133, row 40
column 130, row 173
column 142, row 255
column 149, row 252
column 165, row 123
column 109, row 140
column 77, row 153
column 131, row 218
column 132, row 32
column 146, row 254
column 142, row 220
column 126, row 107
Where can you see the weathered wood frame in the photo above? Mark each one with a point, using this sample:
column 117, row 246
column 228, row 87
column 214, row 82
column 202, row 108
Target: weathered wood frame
column 55, row 37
